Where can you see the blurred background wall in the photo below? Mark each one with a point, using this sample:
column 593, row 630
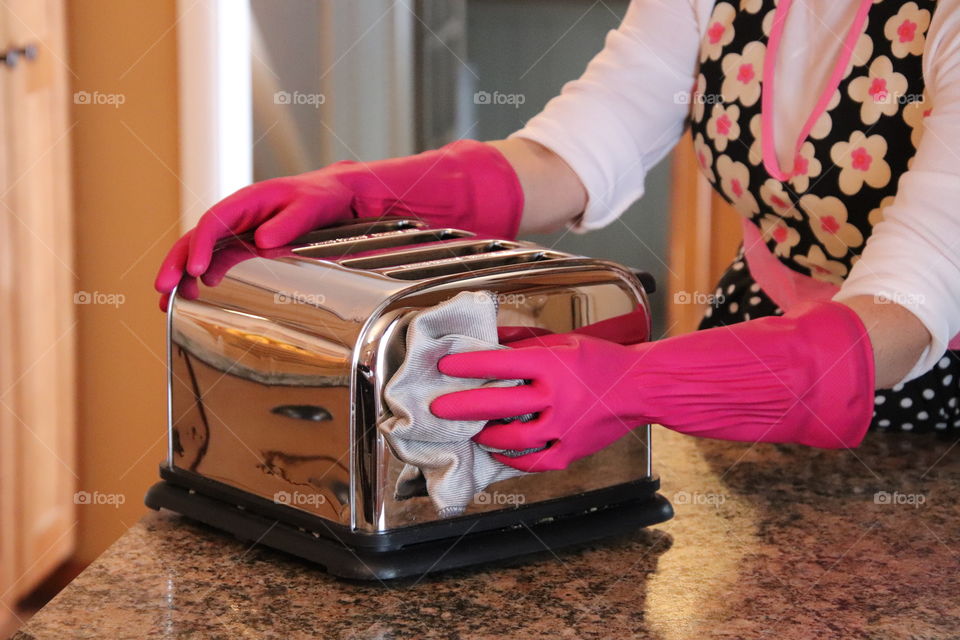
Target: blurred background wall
column 126, row 194
column 530, row 49
column 462, row 49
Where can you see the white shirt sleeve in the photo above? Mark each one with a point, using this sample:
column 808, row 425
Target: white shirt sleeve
column 628, row 109
column 912, row 257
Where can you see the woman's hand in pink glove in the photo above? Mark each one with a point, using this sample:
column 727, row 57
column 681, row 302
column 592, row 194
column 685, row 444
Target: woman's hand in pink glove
column 224, row 258
column 466, row 184
column 578, row 395
column 280, row 210
column 805, row 377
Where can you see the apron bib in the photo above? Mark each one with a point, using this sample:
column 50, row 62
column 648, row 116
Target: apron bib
column 806, row 224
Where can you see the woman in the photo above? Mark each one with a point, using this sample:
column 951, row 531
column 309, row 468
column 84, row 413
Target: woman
column 851, row 238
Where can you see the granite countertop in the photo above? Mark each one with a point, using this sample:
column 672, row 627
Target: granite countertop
column 768, row 542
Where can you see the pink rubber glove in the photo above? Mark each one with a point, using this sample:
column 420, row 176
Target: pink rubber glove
column 805, row 377
column 224, row 258
column 466, row 184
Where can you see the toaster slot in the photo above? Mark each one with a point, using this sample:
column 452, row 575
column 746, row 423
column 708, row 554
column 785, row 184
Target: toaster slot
column 469, row 264
column 358, row 229
column 427, row 254
column 349, row 246
column 340, row 232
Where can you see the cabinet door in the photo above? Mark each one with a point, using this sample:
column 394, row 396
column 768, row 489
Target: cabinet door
column 8, row 440
column 37, row 390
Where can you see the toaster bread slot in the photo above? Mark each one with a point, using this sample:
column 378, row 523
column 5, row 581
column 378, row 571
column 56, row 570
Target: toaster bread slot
column 358, row 229
column 427, row 253
column 467, row 264
column 370, row 242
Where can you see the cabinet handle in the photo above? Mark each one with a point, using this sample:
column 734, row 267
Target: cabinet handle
column 28, row 52
column 12, row 56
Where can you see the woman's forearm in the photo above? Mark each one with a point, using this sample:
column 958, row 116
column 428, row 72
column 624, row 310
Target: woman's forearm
column 553, row 194
column 898, row 337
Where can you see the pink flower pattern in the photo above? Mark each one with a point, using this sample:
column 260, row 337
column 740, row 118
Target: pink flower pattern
column 842, row 177
column 861, row 159
column 906, row 31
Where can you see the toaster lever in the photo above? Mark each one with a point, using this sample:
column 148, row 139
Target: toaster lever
column 646, row 279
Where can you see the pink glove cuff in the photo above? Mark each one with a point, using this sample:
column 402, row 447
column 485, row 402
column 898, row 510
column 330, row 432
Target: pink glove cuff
column 805, row 377
column 836, row 408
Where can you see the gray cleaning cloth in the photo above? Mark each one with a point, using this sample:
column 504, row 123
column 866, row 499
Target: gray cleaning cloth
column 437, row 452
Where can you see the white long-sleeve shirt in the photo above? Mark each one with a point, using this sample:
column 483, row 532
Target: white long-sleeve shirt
column 629, row 108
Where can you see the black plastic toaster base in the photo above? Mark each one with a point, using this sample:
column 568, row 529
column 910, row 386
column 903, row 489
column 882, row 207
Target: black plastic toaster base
column 528, row 533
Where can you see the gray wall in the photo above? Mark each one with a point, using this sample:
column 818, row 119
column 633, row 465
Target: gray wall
column 520, row 47
column 358, row 56
column 512, row 46
column 291, row 40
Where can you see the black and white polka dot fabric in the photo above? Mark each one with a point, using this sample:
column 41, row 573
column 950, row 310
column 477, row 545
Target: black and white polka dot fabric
column 925, row 404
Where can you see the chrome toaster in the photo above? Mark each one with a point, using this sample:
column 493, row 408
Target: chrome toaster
column 275, row 380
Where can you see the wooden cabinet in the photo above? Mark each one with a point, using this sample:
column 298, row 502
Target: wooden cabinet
column 37, row 283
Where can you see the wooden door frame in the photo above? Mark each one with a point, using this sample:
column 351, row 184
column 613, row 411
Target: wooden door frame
column 704, row 234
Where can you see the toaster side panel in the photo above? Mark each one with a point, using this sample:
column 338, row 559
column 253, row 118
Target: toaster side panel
column 260, row 396
column 285, row 444
column 589, row 296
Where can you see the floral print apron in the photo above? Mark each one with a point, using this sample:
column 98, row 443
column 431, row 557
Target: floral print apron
column 816, row 215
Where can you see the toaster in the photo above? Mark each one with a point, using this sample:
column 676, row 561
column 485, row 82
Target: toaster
column 275, row 392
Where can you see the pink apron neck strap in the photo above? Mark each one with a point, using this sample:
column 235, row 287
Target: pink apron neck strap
column 786, row 287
